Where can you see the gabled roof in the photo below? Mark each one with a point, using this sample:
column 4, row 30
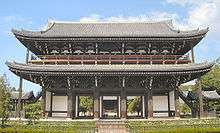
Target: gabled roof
column 211, row 95
column 109, row 29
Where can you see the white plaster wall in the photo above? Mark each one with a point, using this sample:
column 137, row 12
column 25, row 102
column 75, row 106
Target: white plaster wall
column 48, row 94
column 172, row 101
column 59, row 103
column 160, row 103
column 160, row 114
column 109, row 97
column 59, row 114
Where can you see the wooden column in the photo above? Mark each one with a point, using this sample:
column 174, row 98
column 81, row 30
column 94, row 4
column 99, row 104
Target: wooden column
column 176, row 98
column 168, row 99
column 199, row 93
column 150, row 103
column 192, row 55
column 96, row 100
column 51, row 105
column 76, row 106
column 100, row 106
column 43, row 101
column 119, row 107
column 70, row 112
column 18, row 113
column 123, row 48
column 27, row 56
column 143, row 106
column 19, row 105
column 150, row 100
column 123, row 101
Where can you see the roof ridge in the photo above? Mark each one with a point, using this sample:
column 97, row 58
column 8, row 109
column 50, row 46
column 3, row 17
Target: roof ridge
column 109, row 22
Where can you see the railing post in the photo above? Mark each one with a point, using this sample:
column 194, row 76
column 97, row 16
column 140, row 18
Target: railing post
column 163, row 60
column 68, row 60
column 175, row 57
column 96, row 58
column 151, row 59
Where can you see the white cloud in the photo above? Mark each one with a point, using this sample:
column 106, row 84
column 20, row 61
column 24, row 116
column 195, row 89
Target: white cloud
column 153, row 16
column 180, row 2
column 91, row 18
column 206, row 14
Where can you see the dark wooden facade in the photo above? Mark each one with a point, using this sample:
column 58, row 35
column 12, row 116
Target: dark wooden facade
column 111, row 59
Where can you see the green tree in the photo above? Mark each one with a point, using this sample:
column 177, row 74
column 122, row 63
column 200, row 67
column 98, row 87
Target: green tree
column 211, row 80
column 134, row 105
column 184, row 109
column 86, row 103
column 33, row 112
column 5, row 97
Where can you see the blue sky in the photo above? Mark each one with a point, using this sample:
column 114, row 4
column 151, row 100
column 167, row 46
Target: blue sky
column 34, row 15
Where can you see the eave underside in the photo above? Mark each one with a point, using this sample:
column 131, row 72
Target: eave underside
column 174, row 45
column 84, row 80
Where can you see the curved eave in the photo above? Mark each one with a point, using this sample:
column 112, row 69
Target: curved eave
column 53, row 70
column 40, row 35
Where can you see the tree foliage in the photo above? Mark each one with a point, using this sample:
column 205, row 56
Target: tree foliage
column 86, row 103
column 4, row 100
column 211, row 80
column 33, row 112
column 134, row 105
column 184, row 109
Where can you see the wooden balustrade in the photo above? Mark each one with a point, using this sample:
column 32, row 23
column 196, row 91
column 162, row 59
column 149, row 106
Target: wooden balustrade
column 111, row 59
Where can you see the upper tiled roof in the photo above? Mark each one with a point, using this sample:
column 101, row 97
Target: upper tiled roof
column 109, row 29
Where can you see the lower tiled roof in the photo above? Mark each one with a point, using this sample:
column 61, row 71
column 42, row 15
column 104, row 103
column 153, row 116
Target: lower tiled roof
column 59, row 69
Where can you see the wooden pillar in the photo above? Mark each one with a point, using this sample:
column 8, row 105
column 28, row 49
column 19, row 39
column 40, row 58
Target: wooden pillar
column 43, row 101
column 150, row 100
column 70, row 107
column 150, row 103
column 146, row 104
column 27, row 56
column 168, row 99
column 96, row 103
column 192, row 55
column 123, row 48
column 96, row 96
column 119, row 107
column 123, row 101
column 199, row 93
column 51, row 105
column 100, row 106
column 96, row 48
column 76, row 106
column 176, row 98
column 18, row 113
column 143, row 106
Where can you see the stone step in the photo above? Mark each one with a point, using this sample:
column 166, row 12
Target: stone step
column 111, row 126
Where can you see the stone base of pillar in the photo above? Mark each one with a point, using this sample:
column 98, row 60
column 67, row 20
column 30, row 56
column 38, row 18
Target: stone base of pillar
column 70, row 115
column 123, row 114
column 49, row 114
column 194, row 113
column 96, row 114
